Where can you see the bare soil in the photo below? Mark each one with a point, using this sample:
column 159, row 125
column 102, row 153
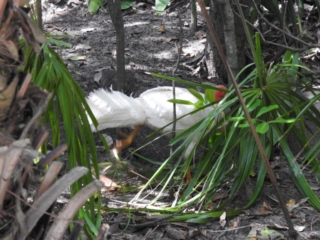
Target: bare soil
column 151, row 45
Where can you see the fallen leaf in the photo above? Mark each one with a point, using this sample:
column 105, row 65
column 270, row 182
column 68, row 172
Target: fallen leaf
column 259, row 231
column 174, row 233
column 161, row 29
column 77, row 2
column 83, row 46
column 299, row 228
column 109, row 184
column 271, row 234
column 219, row 196
column 265, row 204
column 87, row 29
column 200, row 34
column 277, row 226
column 291, row 202
column 97, row 77
column 223, row 219
column 234, row 223
column 79, row 58
column 193, row 233
column 315, row 188
column 265, row 209
column 171, row 39
column 60, row 13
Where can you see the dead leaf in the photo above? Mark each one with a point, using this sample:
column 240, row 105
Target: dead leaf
column 315, row 188
column 79, row 58
column 161, row 29
column 97, row 77
column 109, row 184
column 299, row 228
column 277, row 226
column 171, row 39
column 265, row 210
column 200, row 34
column 194, row 233
column 275, row 163
column 174, row 233
column 219, row 196
column 266, row 205
column 60, row 13
column 83, row 46
column 203, row 41
column 77, row 2
column 234, row 223
column 87, row 29
column 223, row 219
column 259, row 231
column 291, row 202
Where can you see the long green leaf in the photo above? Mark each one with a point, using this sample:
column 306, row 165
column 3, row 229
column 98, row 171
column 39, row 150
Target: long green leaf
column 266, row 109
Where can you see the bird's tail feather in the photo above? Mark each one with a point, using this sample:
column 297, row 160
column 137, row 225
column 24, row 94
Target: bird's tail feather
column 115, row 109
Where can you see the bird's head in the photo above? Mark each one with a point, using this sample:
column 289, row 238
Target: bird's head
column 218, row 95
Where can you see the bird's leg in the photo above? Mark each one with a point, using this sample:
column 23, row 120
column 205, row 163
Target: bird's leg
column 122, row 144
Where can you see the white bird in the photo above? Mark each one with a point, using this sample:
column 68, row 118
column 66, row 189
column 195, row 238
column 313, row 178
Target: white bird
column 114, row 109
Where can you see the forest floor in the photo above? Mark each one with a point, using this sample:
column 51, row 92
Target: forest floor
column 151, row 45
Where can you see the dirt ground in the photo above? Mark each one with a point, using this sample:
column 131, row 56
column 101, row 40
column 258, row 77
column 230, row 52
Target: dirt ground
column 151, row 45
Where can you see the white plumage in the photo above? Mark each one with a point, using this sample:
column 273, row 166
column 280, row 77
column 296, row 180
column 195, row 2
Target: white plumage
column 115, row 109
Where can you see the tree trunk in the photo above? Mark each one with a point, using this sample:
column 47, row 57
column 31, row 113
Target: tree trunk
column 227, row 24
column 114, row 8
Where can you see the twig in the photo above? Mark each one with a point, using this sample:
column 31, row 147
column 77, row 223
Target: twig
column 114, row 8
column 173, row 133
column 285, row 47
column 280, row 30
column 41, row 110
column 149, row 233
column 139, row 175
column 173, row 82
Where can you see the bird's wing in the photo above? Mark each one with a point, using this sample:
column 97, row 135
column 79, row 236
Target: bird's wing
column 159, row 111
column 115, row 109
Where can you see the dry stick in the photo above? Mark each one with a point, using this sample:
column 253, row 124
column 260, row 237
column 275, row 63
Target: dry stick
column 173, row 82
column 292, row 232
column 36, row 116
column 174, row 110
column 280, row 30
column 173, row 132
column 284, row 11
column 275, row 44
column 114, row 8
column 24, row 87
